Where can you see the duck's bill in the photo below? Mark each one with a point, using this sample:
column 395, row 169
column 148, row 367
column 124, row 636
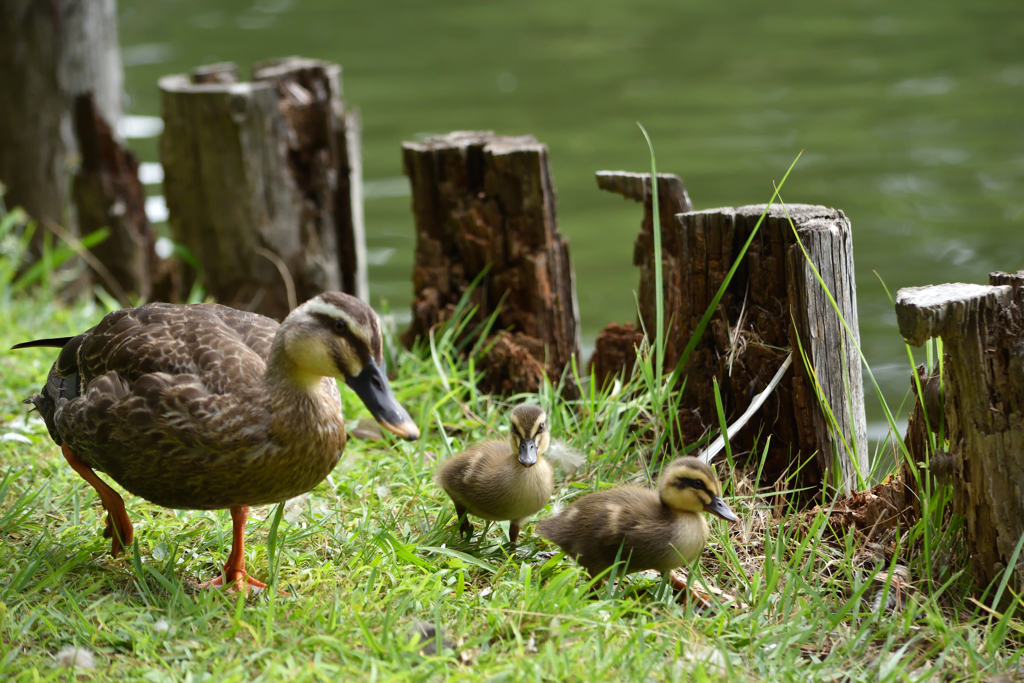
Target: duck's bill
column 527, row 453
column 371, row 386
column 718, row 508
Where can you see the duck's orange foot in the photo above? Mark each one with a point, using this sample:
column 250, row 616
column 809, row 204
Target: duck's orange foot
column 119, row 528
column 687, row 592
column 120, row 532
column 240, row 582
column 704, row 601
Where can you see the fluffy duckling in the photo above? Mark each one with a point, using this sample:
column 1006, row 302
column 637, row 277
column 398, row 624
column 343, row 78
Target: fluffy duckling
column 499, row 480
column 645, row 529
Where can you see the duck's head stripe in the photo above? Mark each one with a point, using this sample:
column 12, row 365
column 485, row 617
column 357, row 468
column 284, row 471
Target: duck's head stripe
column 361, row 321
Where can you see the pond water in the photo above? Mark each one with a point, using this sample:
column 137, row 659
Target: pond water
column 910, row 116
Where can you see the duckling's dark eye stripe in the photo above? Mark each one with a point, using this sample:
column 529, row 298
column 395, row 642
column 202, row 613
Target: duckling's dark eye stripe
column 684, row 482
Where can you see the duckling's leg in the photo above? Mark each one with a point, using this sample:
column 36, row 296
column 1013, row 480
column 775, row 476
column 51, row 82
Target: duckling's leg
column 234, row 571
column 513, row 530
column 461, row 513
column 119, row 527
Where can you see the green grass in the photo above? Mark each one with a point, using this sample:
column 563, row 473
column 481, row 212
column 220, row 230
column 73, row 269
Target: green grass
column 374, row 549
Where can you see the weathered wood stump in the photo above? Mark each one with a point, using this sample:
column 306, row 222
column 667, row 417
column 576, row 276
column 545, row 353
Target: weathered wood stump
column 773, row 305
column 50, row 53
column 982, row 329
column 615, row 347
column 484, row 202
column 263, row 181
column 926, row 458
column 108, row 194
column 615, row 352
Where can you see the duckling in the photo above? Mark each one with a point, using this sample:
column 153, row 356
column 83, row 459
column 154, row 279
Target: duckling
column 499, row 480
column 207, row 407
column 644, row 529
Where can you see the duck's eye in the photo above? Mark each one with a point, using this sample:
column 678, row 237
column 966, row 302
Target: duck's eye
column 339, row 326
column 540, row 428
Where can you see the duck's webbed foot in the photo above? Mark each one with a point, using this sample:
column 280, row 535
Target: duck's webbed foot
column 234, row 575
column 235, row 581
column 687, row 592
column 119, row 527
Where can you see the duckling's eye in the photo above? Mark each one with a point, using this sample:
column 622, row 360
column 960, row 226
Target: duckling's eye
column 339, row 326
column 540, row 428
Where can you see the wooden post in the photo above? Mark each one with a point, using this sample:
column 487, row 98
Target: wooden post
column 773, row 305
column 830, row 369
column 982, row 328
column 50, row 53
column 483, row 201
column 108, row 194
column 775, row 302
column 615, row 346
column 263, row 184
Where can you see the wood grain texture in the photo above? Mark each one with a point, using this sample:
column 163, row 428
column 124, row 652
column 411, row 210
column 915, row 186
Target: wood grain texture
column 265, row 165
column 830, row 347
column 982, row 329
column 487, row 202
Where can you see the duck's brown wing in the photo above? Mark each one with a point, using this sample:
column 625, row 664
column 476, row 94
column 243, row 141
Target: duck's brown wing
column 184, row 353
column 217, row 343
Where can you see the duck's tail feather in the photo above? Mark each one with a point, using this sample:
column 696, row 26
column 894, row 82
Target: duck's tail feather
column 55, row 342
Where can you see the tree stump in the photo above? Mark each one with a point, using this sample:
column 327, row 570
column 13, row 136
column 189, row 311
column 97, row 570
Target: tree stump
column 263, row 182
column 615, row 348
column 982, row 329
column 615, row 351
column 484, row 202
column 926, row 417
column 108, row 194
column 50, row 53
column 773, row 305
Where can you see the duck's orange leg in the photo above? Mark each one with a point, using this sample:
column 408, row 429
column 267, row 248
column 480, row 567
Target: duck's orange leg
column 234, row 571
column 685, row 590
column 119, row 527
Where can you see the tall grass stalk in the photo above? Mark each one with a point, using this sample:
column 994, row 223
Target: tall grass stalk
column 659, row 292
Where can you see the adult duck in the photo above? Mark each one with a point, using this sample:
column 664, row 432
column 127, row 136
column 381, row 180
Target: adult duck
column 207, row 407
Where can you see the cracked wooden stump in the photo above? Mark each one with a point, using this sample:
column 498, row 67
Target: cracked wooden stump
column 108, row 194
column 615, row 347
column 774, row 305
column 263, row 181
column 982, row 330
column 484, row 206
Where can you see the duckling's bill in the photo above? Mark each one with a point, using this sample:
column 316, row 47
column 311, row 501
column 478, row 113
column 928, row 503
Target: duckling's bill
column 371, row 385
column 718, row 508
column 527, row 453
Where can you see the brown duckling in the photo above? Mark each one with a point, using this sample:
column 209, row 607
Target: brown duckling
column 645, row 529
column 499, row 480
column 207, row 407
